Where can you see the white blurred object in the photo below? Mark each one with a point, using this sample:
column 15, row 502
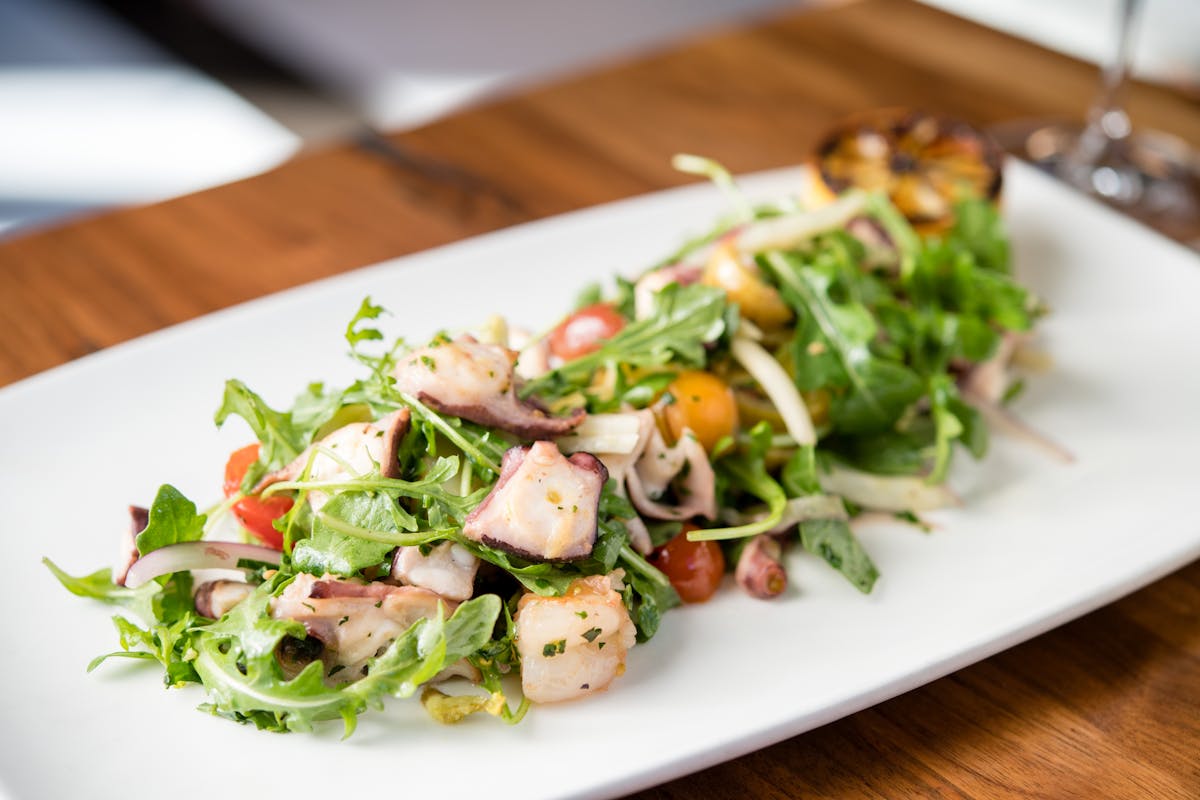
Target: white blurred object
column 1166, row 46
column 406, row 63
column 92, row 115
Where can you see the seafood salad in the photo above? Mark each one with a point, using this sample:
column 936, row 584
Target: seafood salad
column 493, row 518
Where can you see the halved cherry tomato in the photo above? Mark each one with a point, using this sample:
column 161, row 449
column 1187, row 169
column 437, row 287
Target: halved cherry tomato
column 582, row 332
column 694, row 568
column 235, row 468
column 704, row 404
column 254, row 513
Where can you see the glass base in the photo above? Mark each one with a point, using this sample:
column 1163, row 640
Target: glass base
column 1151, row 176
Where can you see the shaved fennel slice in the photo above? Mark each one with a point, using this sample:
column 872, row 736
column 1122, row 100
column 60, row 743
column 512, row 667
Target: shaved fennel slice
column 797, row 510
column 814, row 506
column 494, row 330
column 749, row 330
column 887, row 492
column 778, row 386
column 603, row 433
column 788, row 231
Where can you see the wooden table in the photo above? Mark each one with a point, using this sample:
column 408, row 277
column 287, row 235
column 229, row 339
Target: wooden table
column 1107, row 706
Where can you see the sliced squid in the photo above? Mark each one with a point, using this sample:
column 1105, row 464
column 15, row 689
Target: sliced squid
column 644, row 468
column 683, row 466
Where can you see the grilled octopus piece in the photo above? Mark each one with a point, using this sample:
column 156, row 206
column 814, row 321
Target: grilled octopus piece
column 361, row 445
column 654, row 466
column 354, row 621
column 760, row 568
column 475, row 381
column 544, row 505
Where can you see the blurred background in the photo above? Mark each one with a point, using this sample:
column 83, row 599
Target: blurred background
column 113, row 102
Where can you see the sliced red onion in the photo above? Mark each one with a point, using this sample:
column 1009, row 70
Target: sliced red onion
column 1001, row 419
column 197, row 555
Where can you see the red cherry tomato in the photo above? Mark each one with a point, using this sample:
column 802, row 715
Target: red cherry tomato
column 255, row 513
column 235, row 468
column 582, row 332
column 694, row 568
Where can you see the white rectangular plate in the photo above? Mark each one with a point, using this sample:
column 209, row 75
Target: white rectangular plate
column 1037, row 543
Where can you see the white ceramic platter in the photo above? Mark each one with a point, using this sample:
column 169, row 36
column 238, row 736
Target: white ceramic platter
column 1037, row 543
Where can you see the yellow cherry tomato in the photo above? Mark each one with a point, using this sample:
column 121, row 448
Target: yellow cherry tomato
column 704, row 404
column 757, row 300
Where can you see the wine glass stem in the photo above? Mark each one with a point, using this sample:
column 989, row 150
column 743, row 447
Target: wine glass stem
column 1106, row 120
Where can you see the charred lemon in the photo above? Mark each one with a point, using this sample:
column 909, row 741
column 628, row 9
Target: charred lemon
column 925, row 163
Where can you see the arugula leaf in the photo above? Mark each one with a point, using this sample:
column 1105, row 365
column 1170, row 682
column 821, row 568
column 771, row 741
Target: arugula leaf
column 279, row 440
column 99, row 586
column 363, row 521
column 685, row 319
column 799, row 473
column 832, row 540
column 625, row 301
column 613, row 504
column 167, row 611
column 975, row 431
column 946, row 425
column 640, row 394
column 236, row 661
column 542, row 578
column 367, row 311
column 471, row 627
column 954, row 420
column 588, row 296
column 901, row 452
column 317, row 412
column 648, row 594
column 837, row 336
column 747, row 472
column 169, row 644
column 479, row 447
column 907, row 242
column 329, row 549
column 979, row 230
column 173, row 519
column 378, row 389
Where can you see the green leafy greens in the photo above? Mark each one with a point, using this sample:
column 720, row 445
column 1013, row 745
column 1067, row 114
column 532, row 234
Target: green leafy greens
column 880, row 335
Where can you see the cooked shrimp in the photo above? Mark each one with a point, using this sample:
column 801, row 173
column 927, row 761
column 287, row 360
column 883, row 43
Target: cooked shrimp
column 573, row 645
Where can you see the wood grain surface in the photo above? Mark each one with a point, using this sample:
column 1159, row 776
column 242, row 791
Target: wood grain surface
column 1105, row 707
